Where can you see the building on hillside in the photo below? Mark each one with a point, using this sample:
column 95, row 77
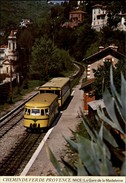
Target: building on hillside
column 75, row 18
column 110, row 54
column 25, row 23
column 79, row 2
column 2, row 53
column 99, row 17
column 122, row 24
column 8, row 57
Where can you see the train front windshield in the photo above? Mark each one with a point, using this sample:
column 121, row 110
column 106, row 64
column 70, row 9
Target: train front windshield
column 37, row 112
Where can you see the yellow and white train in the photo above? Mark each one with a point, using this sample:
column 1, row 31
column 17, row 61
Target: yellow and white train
column 42, row 109
column 60, row 86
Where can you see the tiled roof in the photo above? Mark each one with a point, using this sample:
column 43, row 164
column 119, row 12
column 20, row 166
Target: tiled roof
column 13, row 33
column 123, row 14
column 77, row 11
column 86, row 83
column 96, row 103
column 103, row 53
column 97, row 5
column 3, row 46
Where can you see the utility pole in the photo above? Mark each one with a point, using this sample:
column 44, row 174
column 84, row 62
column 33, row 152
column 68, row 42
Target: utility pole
column 11, row 90
column 53, row 32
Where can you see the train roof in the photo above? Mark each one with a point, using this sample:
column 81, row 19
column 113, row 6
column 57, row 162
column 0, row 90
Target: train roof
column 41, row 100
column 56, row 82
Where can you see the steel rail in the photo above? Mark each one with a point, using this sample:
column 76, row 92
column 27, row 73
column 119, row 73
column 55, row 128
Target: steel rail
column 15, row 109
column 10, row 164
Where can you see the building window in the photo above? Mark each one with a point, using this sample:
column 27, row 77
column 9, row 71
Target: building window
column 9, row 46
column 13, row 46
column 7, row 70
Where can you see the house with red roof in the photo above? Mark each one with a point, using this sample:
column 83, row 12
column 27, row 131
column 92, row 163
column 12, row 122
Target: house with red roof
column 76, row 17
column 110, row 54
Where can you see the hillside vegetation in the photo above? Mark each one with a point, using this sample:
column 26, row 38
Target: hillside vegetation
column 59, row 45
column 12, row 12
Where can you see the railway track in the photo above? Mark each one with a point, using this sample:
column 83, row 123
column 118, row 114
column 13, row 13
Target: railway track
column 21, row 153
column 74, row 78
column 11, row 121
column 8, row 121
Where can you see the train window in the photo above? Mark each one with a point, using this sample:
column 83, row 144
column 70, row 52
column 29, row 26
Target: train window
column 46, row 112
column 50, row 91
column 42, row 112
column 42, row 91
column 57, row 92
column 65, row 89
column 35, row 112
column 27, row 111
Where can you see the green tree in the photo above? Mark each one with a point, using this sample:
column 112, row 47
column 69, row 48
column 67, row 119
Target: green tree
column 25, row 41
column 120, row 67
column 94, row 48
column 66, row 39
column 48, row 60
column 41, row 54
column 43, row 25
column 102, row 76
column 85, row 37
column 60, row 61
column 57, row 11
column 113, row 9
